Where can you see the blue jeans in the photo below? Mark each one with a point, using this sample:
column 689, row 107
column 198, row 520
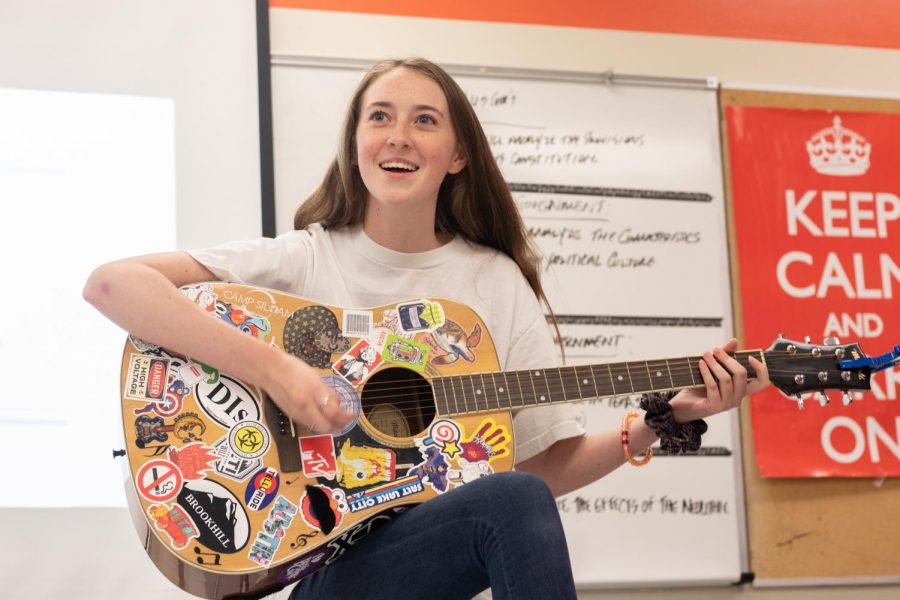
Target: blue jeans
column 502, row 531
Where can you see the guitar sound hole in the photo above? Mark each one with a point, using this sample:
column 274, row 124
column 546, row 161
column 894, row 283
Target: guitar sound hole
column 398, row 402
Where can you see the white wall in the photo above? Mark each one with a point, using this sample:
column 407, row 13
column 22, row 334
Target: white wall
column 201, row 53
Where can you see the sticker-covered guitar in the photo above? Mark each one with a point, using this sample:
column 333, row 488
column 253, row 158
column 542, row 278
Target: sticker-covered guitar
column 232, row 499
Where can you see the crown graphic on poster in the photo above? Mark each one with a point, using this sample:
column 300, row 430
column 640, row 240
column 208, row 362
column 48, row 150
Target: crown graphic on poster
column 838, row 151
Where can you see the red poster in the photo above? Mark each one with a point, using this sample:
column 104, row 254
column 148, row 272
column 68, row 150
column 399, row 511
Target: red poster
column 817, row 214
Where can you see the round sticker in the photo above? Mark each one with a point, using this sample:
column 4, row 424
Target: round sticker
column 249, row 439
column 159, row 480
column 262, row 488
column 349, row 400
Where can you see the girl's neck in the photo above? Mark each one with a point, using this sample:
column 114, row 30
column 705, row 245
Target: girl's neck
column 402, row 230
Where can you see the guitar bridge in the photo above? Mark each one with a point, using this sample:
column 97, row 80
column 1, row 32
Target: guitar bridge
column 283, row 434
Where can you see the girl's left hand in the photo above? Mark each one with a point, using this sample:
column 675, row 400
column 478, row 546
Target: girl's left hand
column 725, row 385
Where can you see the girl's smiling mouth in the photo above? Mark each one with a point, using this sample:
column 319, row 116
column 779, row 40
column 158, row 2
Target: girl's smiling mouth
column 398, row 166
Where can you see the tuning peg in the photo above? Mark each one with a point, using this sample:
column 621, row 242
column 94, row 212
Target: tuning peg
column 799, row 401
column 845, row 398
column 831, row 341
column 823, row 399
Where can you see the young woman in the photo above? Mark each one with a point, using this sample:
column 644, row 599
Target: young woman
column 414, row 205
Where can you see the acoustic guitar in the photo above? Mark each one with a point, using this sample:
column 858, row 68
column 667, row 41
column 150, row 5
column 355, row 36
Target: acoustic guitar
column 232, row 499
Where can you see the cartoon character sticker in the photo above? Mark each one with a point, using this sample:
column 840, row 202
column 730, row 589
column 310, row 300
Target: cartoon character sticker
column 469, row 471
column 358, row 363
column 323, row 508
column 407, row 353
column 434, row 470
column 358, row 466
column 174, row 522
column 450, row 342
column 423, row 315
column 173, row 402
column 243, row 319
column 312, row 333
column 443, row 446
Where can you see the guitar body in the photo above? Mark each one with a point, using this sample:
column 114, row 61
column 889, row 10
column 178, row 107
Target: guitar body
column 232, row 499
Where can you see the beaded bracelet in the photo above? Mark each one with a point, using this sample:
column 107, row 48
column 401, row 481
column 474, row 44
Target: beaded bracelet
column 626, row 425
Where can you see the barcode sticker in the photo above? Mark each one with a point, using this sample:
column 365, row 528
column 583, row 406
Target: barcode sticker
column 357, row 323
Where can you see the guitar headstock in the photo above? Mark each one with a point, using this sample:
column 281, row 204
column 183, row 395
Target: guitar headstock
column 800, row 367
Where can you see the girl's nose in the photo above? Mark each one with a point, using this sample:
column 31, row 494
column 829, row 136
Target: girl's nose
column 399, row 136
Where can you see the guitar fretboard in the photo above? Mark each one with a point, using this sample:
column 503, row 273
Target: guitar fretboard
column 503, row 390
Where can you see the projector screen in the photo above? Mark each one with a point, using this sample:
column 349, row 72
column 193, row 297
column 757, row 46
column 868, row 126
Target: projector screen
column 85, row 179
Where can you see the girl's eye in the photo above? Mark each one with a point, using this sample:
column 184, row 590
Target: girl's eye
column 378, row 116
column 425, row 120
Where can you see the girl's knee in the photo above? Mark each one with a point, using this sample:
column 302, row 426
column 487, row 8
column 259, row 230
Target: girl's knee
column 525, row 483
column 517, row 488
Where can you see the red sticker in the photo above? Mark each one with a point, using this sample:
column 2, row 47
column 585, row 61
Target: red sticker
column 317, row 455
column 159, row 480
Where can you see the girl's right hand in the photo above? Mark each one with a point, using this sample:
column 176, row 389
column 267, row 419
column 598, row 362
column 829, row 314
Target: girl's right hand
column 298, row 390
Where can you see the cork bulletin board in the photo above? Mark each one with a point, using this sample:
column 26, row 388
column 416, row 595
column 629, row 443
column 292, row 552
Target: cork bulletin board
column 821, row 526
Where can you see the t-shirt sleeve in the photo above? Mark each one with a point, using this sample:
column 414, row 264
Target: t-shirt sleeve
column 280, row 263
column 539, row 428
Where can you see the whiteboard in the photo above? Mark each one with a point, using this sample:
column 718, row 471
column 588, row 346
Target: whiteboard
column 621, row 187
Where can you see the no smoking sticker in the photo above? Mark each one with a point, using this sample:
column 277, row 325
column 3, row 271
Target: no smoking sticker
column 159, row 480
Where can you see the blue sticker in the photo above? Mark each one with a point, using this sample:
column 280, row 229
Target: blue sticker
column 262, row 488
column 348, row 398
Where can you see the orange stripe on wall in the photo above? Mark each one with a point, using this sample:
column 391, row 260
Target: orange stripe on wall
column 874, row 23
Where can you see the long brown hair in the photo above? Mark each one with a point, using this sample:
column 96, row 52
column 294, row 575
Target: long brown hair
column 475, row 203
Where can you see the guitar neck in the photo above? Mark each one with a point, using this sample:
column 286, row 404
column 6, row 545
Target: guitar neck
column 503, row 390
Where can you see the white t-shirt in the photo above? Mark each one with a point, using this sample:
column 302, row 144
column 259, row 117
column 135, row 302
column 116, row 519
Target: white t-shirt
column 345, row 268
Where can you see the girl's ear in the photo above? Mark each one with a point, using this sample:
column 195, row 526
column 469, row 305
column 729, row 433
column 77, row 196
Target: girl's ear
column 459, row 162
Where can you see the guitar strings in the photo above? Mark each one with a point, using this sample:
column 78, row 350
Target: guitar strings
column 468, row 379
column 388, row 393
column 397, row 394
